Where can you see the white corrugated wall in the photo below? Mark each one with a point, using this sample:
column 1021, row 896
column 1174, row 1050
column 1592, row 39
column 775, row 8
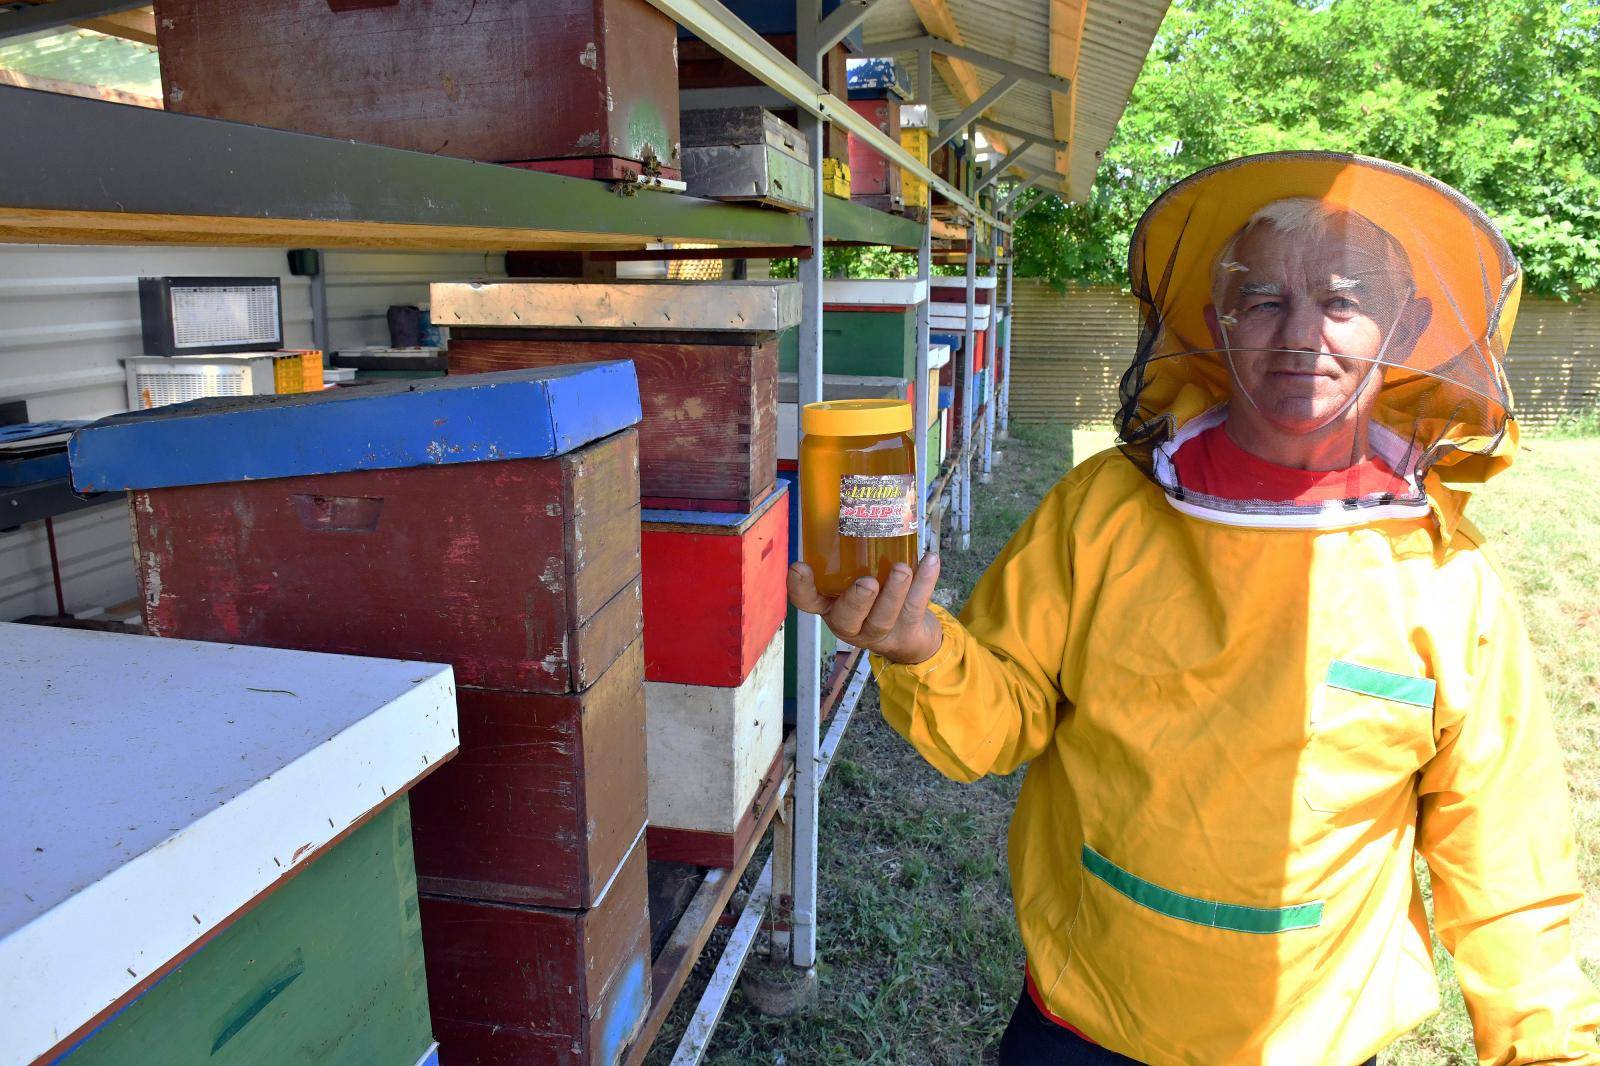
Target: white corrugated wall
column 68, row 316
column 1069, row 350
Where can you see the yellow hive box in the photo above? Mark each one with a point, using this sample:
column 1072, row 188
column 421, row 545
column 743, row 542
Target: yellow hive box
column 297, row 371
column 836, row 178
column 913, row 190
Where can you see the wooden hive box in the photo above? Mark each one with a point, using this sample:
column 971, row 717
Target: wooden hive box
column 706, row 355
column 373, row 521
column 545, row 799
column 585, row 87
column 869, row 329
column 710, row 750
column 746, row 154
column 874, row 180
column 714, row 590
column 215, row 863
column 952, row 289
column 515, row 984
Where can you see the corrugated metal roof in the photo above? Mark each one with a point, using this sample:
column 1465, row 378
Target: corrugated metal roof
column 1111, row 51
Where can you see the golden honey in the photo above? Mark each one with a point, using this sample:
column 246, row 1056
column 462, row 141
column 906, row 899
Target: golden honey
column 858, row 490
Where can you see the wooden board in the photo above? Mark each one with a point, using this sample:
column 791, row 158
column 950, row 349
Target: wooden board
column 714, row 591
column 327, row 969
column 546, row 796
column 512, row 984
column 710, row 746
column 264, row 758
column 709, row 425
column 522, row 574
column 493, row 80
column 379, row 427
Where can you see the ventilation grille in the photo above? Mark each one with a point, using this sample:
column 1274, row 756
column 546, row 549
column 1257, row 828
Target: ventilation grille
column 205, row 317
column 158, row 386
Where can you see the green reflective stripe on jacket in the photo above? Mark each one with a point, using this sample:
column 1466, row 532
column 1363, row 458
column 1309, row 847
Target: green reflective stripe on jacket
column 1201, row 911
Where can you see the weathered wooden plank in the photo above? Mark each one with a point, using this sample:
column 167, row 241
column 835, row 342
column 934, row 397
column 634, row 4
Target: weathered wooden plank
column 394, row 425
column 513, row 984
column 546, row 796
column 494, row 80
column 522, row 574
column 709, row 423
column 710, row 746
column 714, row 591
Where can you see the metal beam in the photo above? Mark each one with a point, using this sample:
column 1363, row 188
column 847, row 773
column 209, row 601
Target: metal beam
column 1043, row 79
column 41, row 17
column 1004, row 165
column 1035, row 202
column 1012, row 131
column 844, row 18
column 729, row 35
column 971, row 111
column 1011, row 197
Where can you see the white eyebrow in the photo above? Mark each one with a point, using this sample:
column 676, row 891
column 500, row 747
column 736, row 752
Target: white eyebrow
column 1260, row 288
column 1339, row 284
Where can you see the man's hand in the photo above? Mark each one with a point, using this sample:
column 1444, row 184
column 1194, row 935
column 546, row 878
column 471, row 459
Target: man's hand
column 894, row 622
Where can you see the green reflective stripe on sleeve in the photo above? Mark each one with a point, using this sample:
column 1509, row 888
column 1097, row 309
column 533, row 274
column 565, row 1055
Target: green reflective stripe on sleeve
column 1401, row 688
column 1201, row 911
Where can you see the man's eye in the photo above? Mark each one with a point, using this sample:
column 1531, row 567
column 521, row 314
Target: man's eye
column 1343, row 304
column 1264, row 305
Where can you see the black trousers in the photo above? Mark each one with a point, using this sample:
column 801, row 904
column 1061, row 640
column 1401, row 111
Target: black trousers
column 1034, row 1040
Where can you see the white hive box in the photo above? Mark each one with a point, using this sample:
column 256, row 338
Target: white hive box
column 158, row 789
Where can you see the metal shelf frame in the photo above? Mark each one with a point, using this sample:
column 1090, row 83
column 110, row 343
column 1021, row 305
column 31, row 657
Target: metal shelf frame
column 82, row 171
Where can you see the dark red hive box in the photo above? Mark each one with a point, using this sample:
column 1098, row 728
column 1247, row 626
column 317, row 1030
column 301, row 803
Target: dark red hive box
column 706, row 354
column 511, row 984
column 494, row 80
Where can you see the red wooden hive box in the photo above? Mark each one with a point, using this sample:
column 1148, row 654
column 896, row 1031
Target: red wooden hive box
column 714, row 590
column 363, row 521
column 586, row 87
column 707, row 360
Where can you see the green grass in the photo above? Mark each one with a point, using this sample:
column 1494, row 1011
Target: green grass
column 919, row 956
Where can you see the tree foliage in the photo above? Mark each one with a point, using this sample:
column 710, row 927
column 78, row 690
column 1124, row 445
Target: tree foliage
column 1498, row 98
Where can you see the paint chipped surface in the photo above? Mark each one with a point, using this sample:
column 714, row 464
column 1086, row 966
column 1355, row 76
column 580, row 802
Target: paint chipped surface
column 590, row 56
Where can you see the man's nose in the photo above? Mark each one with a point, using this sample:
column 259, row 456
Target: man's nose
column 1302, row 327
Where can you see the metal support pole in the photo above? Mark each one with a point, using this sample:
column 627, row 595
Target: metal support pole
column 963, row 514
column 319, row 306
column 1004, row 165
column 973, row 110
column 991, row 369
column 924, row 460
column 1005, row 353
column 808, row 686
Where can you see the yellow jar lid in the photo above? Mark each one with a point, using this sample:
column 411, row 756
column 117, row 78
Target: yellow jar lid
column 856, row 418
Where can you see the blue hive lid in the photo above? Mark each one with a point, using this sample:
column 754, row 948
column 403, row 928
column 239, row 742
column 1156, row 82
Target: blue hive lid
column 470, row 418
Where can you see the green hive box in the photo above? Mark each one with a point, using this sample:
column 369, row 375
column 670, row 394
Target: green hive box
column 325, row 969
column 865, row 343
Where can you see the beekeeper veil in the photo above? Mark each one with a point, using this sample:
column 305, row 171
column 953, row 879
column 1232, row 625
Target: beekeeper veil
column 1250, row 265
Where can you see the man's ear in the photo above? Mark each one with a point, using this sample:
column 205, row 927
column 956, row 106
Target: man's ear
column 1214, row 328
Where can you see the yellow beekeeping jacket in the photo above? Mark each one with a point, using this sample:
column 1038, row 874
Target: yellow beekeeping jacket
column 1238, row 738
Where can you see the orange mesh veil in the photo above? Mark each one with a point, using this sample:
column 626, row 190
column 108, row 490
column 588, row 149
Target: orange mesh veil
column 1413, row 243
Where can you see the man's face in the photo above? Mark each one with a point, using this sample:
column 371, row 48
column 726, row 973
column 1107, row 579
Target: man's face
column 1324, row 300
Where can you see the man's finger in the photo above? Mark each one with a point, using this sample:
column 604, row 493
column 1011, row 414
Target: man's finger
column 850, row 609
column 803, row 590
column 881, row 619
column 922, row 586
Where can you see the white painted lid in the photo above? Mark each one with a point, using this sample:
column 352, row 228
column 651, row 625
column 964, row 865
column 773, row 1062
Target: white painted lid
column 938, row 355
column 960, row 280
column 153, row 788
column 874, row 292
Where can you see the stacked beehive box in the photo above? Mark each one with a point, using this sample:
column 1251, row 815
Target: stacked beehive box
column 915, row 137
column 948, row 322
column 490, row 523
column 580, row 87
column 877, row 87
column 714, row 534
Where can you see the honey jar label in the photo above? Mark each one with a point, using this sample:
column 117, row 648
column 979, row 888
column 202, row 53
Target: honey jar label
column 877, row 505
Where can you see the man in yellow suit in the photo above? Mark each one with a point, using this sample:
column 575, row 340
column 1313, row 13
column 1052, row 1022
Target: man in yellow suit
column 1258, row 660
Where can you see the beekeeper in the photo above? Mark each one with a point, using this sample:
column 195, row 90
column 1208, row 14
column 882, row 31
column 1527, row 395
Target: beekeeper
column 1258, row 659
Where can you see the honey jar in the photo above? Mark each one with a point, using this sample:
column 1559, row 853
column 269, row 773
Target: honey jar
column 858, row 490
